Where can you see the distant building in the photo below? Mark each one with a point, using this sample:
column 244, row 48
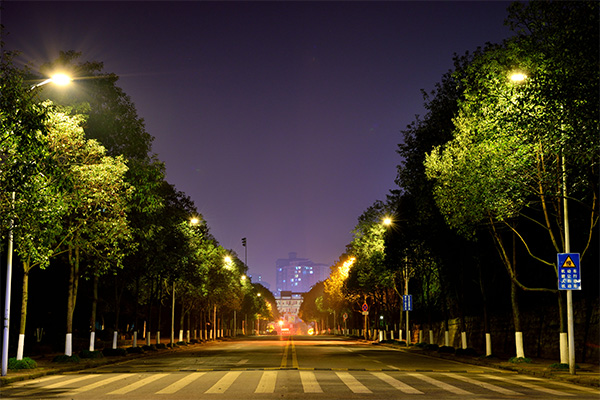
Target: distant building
column 298, row 275
column 288, row 305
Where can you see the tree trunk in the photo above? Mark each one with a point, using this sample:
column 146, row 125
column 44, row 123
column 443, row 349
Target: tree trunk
column 24, row 300
column 93, row 316
column 72, row 297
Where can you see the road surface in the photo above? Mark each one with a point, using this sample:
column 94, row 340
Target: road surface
column 273, row 367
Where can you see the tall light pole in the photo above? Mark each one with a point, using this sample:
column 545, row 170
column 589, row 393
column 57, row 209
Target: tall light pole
column 59, row 79
column 520, row 77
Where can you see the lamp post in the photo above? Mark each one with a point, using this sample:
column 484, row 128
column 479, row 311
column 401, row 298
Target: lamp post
column 517, row 78
column 59, row 79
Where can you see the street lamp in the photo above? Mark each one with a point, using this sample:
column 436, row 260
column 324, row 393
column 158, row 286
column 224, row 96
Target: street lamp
column 520, row 77
column 59, row 79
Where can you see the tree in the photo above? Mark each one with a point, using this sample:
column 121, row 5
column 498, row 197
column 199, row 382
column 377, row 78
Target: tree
column 95, row 200
column 504, row 166
column 30, row 201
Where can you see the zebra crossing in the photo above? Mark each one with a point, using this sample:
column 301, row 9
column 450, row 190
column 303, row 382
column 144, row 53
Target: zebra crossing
column 263, row 382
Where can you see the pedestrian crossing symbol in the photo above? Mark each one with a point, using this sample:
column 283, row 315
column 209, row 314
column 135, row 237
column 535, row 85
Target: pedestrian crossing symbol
column 569, row 277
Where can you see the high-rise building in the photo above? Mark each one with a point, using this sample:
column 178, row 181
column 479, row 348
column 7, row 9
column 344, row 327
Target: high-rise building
column 298, row 275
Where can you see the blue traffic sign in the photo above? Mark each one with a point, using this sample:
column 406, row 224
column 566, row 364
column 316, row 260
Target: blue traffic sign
column 407, row 302
column 569, row 274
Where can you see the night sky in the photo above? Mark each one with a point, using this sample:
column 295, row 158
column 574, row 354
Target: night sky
column 279, row 119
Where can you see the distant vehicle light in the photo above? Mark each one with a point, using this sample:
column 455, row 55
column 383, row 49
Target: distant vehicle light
column 311, row 331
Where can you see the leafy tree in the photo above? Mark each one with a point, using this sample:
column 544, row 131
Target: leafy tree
column 512, row 142
column 95, row 200
column 309, row 310
column 31, row 201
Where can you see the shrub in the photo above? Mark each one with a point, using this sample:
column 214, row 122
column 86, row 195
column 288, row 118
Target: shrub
column 562, row 366
column 431, row 347
column 469, row 351
column 161, row 346
column 149, row 348
column 114, row 352
column 25, row 363
column 519, row 360
column 90, row 354
column 446, row 349
column 135, row 350
column 63, row 358
column 182, row 343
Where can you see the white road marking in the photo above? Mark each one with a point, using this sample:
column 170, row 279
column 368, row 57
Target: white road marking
column 95, row 385
column 485, row 385
column 136, row 385
column 181, row 383
column 352, row 383
column 440, row 384
column 309, row 382
column 396, row 384
column 532, row 386
column 58, row 384
column 267, row 382
column 224, row 383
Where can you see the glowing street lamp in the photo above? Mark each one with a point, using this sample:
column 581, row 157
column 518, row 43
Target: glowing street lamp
column 518, row 77
column 57, row 79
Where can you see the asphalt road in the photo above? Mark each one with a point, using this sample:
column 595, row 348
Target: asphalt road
column 274, row 367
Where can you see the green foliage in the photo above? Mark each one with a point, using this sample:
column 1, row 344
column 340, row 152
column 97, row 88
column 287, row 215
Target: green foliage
column 519, row 360
column 446, row 349
column 25, row 363
column 63, row 358
column 90, row 354
column 469, row 351
column 135, row 350
column 118, row 352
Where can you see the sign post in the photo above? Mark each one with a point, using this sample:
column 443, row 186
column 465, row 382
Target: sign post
column 365, row 311
column 407, row 305
column 569, row 279
column 569, row 274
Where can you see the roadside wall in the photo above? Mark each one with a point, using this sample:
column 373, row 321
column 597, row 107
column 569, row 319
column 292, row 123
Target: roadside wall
column 540, row 334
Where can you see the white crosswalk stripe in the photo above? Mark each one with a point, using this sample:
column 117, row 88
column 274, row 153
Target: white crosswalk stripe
column 440, row 384
column 138, row 384
column 267, row 382
column 352, row 383
column 96, row 385
column 224, row 383
column 181, row 383
column 396, row 384
column 308, row 381
column 532, row 386
column 484, row 385
column 564, row 384
column 56, row 385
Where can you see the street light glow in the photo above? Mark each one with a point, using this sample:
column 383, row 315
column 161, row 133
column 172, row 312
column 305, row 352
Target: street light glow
column 387, row 221
column 518, row 77
column 61, row 79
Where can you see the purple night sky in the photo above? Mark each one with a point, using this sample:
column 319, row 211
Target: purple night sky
column 279, row 119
